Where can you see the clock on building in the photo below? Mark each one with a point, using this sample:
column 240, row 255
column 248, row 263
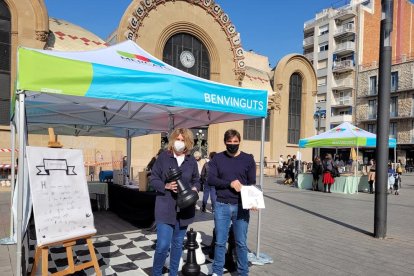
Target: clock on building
column 187, row 59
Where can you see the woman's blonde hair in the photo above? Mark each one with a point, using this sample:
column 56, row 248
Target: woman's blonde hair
column 188, row 139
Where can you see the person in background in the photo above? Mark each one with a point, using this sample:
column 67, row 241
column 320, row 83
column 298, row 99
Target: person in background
column 200, row 161
column 152, row 161
column 171, row 221
column 209, row 190
column 281, row 161
column 391, row 178
column 265, row 162
column 371, row 176
column 328, row 166
column 317, row 170
column 399, row 167
column 229, row 171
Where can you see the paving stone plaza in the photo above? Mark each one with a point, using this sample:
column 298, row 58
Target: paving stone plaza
column 305, row 233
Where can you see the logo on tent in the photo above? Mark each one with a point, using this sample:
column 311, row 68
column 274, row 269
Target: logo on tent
column 338, row 129
column 140, row 58
column 357, row 129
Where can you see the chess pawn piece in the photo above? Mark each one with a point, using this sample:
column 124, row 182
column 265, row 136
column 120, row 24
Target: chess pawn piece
column 191, row 267
column 201, row 258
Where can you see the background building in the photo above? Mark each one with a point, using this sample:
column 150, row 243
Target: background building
column 203, row 33
column 343, row 45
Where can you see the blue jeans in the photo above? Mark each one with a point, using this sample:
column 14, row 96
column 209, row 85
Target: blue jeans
column 225, row 214
column 168, row 236
column 209, row 191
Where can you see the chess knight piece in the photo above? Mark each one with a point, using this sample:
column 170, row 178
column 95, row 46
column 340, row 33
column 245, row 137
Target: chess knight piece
column 191, row 267
column 185, row 196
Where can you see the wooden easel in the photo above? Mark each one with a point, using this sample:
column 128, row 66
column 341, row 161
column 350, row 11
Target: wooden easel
column 43, row 252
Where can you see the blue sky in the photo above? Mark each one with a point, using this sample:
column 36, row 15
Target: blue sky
column 273, row 28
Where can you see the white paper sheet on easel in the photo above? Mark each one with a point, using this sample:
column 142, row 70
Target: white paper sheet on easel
column 252, row 197
column 61, row 205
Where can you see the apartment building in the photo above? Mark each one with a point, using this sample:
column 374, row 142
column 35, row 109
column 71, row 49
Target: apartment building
column 331, row 44
column 343, row 45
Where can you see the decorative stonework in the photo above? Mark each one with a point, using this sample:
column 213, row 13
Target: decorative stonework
column 275, row 101
column 144, row 7
column 279, row 86
column 42, row 35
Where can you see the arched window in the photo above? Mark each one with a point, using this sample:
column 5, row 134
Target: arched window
column 5, row 41
column 295, row 102
column 187, row 53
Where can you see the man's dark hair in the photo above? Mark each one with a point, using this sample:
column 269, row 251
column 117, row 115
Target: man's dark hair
column 230, row 134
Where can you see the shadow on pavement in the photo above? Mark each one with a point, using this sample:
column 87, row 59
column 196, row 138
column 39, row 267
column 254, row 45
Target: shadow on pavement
column 322, row 216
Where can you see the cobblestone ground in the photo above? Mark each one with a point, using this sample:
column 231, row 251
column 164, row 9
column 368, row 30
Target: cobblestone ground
column 305, row 232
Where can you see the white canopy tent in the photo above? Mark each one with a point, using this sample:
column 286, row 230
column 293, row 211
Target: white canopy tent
column 119, row 91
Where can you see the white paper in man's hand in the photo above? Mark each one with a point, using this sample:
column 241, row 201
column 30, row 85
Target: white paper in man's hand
column 252, row 197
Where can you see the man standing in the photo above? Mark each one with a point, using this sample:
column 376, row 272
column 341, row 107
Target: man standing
column 229, row 171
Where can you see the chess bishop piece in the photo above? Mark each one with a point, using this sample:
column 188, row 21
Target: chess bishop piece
column 191, row 267
column 185, row 196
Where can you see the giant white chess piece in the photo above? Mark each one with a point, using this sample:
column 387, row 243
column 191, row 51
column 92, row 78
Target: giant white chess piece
column 201, row 258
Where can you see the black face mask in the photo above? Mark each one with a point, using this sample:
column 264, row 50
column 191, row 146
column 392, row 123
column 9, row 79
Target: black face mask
column 232, row 148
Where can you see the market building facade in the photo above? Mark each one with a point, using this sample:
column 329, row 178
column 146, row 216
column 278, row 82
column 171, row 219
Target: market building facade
column 195, row 36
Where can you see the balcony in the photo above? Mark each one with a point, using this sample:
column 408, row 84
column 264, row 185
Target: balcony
column 343, row 84
column 341, row 102
column 346, row 29
column 372, row 116
column 346, row 12
column 341, row 118
column 309, row 56
column 373, row 91
column 343, row 66
column 307, row 42
column 345, row 48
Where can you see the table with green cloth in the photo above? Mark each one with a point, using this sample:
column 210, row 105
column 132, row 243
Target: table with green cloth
column 99, row 191
column 345, row 184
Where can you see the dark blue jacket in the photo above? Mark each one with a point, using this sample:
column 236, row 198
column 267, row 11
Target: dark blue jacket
column 165, row 203
column 223, row 169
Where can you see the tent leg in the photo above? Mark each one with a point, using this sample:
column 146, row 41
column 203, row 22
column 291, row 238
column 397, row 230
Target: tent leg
column 259, row 213
column 21, row 135
column 395, row 155
column 13, row 176
column 128, row 168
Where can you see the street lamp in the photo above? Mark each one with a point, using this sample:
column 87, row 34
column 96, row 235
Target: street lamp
column 317, row 116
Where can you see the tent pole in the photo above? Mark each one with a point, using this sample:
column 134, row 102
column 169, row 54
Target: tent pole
column 356, row 163
column 21, row 183
column 13, row 175
column 128, row 171
column 395, row 155
column 170, row 123
column 259, row 213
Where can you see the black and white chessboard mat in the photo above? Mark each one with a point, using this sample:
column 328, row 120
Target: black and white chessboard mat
column 118, row 254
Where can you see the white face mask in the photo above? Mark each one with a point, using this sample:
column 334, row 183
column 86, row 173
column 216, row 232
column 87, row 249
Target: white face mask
column 179, row 146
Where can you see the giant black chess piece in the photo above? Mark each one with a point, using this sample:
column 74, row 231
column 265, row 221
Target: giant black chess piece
column 185, row 196
column 191, row 268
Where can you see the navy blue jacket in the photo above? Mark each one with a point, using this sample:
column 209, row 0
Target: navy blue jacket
column 165, row 203
column 223, row 169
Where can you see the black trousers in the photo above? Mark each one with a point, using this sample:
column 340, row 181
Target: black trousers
column 371, row 186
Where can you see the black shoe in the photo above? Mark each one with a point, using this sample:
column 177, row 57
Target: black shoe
column 203, row 209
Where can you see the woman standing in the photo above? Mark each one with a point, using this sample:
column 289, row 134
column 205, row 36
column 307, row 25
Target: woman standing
column 371, row 176
column 317, row 170
column 328, row 167
column 172, row 221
